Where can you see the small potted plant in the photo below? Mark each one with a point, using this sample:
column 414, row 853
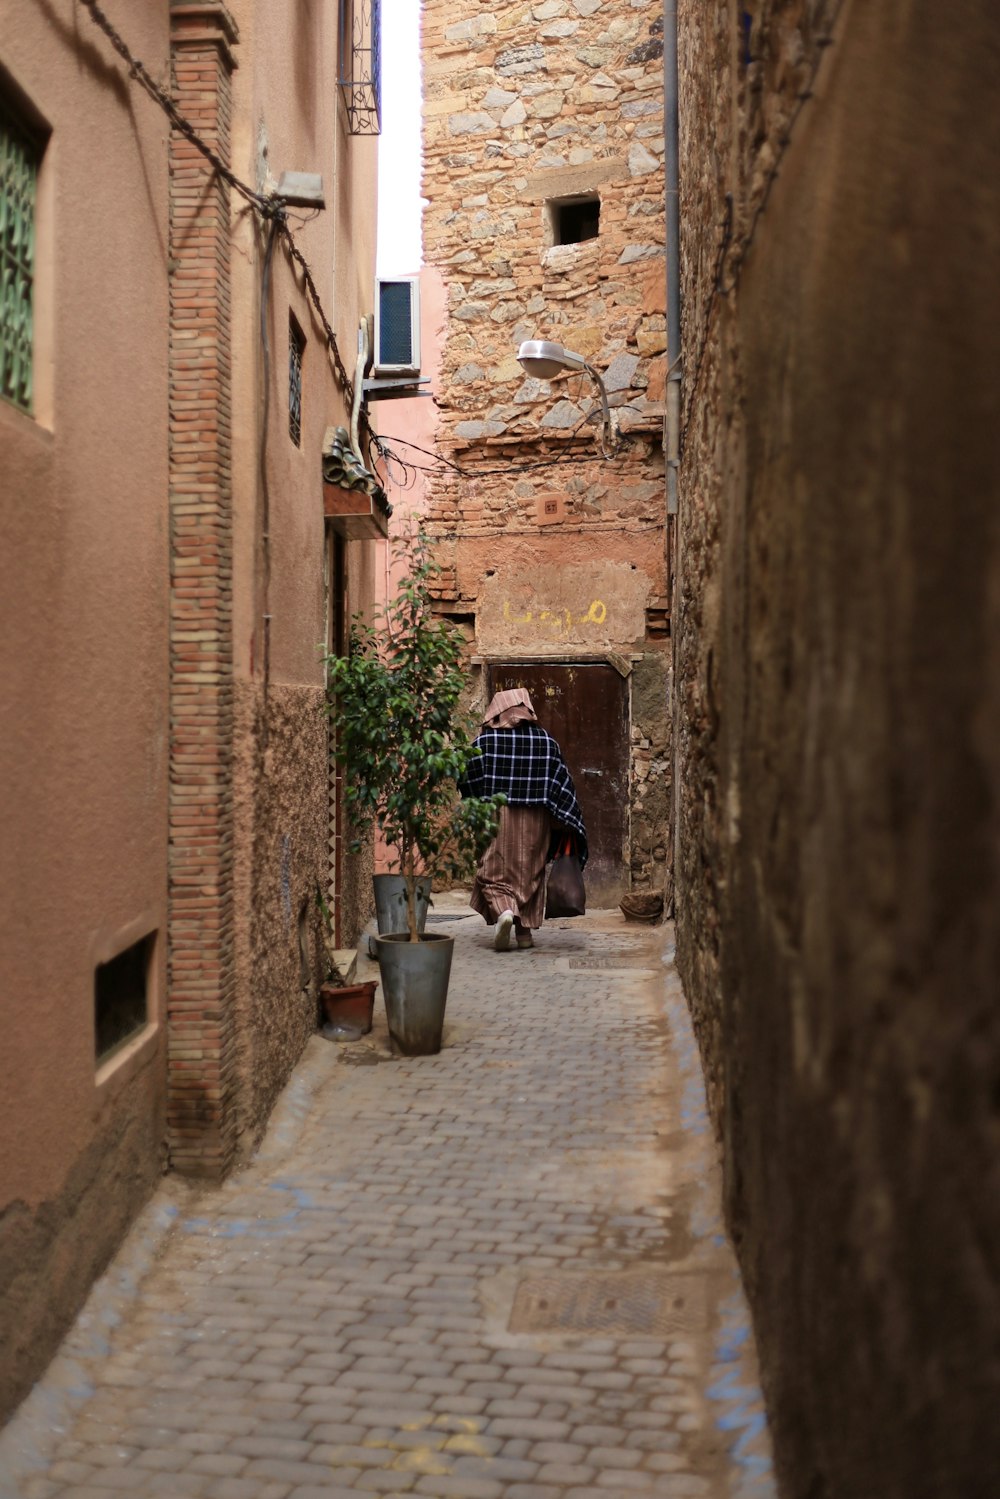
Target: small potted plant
column 405, row 742
column 347, row 1007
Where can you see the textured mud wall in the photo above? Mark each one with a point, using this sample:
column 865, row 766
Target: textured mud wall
column 838, row 691
column 52, row 1252
column 83, row 703
column 548, row 549
column 281, row 861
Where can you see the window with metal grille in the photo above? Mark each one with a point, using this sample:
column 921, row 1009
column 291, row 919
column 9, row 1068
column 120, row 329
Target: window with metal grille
column 361, row 64
column 120, row 990
column 296, row 348
column 20, row 155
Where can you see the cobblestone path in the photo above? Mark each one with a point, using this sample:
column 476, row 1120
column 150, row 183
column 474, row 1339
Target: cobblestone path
column 494, row 1274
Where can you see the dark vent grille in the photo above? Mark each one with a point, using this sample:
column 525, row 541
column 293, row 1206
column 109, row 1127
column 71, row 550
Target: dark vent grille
column 621, row 1303
column 395, row 324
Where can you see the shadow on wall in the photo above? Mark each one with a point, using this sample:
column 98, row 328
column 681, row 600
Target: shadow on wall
column 838, row 692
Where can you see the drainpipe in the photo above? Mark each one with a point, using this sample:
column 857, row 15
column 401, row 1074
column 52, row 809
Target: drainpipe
column 364, row 353
column 671, row 165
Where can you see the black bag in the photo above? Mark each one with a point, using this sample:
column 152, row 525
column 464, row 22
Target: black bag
column 565, row 894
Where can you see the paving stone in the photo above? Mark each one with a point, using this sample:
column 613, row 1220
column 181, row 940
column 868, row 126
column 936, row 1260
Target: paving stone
column 623, row 1481
column 222, row 1464
column 513, row 1408
column 516, row 1447
column 507, row 1469
column 43, row 1488
column 276, row 1447
column 283, row 1470
column 193, row 1485
column 534, row 1491
column 552, row 1431
column 94, row 1491
column 565, row 1473
column 247, row 1488
column 170, row 1460
column 341, row 1488
column 115, row 1479
column 349, row 1432
column 361, row 1346
column 460, row 1488
column 71, row 1472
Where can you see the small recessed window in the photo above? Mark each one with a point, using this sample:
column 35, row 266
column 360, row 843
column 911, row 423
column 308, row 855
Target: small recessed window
column 296, row 348
column 572, row 220
column 121, row 987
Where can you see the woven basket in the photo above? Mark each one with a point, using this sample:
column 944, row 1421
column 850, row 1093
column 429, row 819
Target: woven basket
column 642, row 905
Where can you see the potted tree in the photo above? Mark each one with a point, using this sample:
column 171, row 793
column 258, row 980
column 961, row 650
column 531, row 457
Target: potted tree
column 405, row 742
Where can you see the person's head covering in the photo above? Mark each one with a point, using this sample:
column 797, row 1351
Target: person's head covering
column 509, row 708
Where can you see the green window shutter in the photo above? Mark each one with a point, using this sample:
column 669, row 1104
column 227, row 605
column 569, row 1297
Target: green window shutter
column 19, row 158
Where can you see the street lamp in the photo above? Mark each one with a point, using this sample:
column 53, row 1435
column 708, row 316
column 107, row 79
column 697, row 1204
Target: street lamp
column 544, row 360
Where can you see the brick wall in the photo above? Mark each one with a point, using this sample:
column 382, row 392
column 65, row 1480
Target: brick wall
column 201, row 1122
column 837, row 714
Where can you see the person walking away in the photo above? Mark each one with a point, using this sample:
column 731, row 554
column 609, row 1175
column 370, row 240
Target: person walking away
column 518, row 758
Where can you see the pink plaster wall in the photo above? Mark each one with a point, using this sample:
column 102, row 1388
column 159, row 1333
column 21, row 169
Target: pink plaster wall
column 83, row 669
column 413, row 422
column 288, row 116
column 410, row 422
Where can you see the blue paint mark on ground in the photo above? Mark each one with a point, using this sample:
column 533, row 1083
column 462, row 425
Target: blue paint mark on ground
column 739, row 1402
column 303, row 1199
column 734, row 1393
column 264, row 1227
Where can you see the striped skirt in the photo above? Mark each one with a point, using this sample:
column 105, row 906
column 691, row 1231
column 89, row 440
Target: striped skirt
column 511, row 873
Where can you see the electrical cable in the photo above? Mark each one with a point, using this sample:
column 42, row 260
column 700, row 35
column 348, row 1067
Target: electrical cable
column 565, row 456
column 269, row 208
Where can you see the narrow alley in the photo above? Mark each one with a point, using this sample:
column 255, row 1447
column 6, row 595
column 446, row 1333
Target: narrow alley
column 497, row 1273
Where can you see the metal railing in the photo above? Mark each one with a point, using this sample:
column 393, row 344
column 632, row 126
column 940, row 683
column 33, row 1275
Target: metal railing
column 361, row 64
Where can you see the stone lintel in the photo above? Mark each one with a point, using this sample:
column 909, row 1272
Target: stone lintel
column 570, row 182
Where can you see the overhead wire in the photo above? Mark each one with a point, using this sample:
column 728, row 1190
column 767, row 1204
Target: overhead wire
column 269, row 207
column 565, row 456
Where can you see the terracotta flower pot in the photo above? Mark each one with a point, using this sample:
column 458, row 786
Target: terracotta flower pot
column 349, row 1005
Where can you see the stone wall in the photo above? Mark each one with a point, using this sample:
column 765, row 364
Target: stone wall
column 838, row 683
column 551, row 549
column 281, row 861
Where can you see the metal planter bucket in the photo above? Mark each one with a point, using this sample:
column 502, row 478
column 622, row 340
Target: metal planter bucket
column 415, row 984
column 390, row 903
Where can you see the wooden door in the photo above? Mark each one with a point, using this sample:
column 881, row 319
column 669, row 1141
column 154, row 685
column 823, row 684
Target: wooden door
column 585, row 707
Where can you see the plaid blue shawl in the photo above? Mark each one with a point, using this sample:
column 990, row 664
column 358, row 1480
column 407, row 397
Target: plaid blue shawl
column 526, row 765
